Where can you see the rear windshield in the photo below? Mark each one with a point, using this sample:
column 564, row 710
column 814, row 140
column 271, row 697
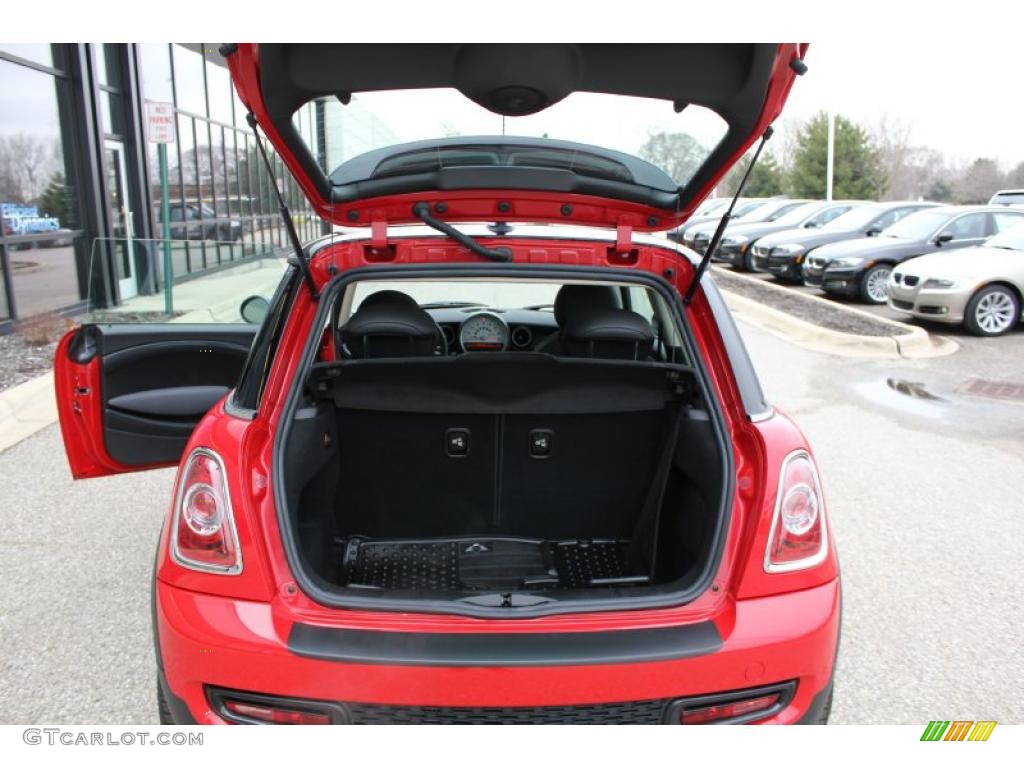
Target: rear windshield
column 678, row 143
column 1008, row 198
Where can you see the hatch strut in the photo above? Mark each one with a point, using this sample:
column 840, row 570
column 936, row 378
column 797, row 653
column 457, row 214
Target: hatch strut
column 298, row 259
column 422, row 212
column 713, row 245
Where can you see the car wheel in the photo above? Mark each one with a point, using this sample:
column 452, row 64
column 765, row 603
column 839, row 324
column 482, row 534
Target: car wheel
column 748, row 260
column 873, row 284
column 162, row 708
column 992, row 311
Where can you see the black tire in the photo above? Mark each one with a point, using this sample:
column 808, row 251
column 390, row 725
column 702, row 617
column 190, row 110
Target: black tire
column 869, row 282
column 748, row 260
column 992, row 311
column 162, row 708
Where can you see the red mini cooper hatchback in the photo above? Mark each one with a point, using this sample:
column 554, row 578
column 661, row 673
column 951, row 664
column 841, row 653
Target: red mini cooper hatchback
column 496, row 452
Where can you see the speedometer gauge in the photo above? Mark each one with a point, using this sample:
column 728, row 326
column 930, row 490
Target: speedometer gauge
column 484, row 332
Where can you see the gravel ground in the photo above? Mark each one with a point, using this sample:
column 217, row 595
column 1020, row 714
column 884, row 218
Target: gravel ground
column 834, row 317
column 20, row 361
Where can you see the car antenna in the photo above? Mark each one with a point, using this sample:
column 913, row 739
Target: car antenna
column 298, row 259
column 705, row 262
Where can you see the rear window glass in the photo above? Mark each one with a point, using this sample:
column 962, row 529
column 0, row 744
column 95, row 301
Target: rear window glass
column 676, row 142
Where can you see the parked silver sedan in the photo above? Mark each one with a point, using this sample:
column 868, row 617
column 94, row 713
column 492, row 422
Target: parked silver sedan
column 980, row 287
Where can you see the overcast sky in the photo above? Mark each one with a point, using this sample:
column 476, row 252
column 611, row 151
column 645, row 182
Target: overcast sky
column 963, row 98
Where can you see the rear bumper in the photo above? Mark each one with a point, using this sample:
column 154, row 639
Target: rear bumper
column 206, row 640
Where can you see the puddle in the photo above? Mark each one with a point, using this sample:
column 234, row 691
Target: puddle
column 907, row 397
column 912, row 389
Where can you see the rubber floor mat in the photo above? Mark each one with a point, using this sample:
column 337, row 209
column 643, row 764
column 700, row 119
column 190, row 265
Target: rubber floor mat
column 484, row 563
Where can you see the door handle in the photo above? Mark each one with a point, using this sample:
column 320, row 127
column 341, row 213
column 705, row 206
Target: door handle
column 129, row 224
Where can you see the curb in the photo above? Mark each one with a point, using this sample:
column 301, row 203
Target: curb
column 917, row 344
column 26, row 409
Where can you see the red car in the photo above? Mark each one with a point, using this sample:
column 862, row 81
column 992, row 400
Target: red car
column 488, row 458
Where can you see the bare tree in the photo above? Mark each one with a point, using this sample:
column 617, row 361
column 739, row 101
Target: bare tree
column 678, row 154
column 978, row 181
column 892, row 138
column 1015, row 178
column 33, row 157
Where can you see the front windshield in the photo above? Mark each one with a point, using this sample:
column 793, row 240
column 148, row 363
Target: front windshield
column 676, row 142
column 770, row 211
column 499, row 295
column 748, row 211
column 1012, row 239
column 853, row 220
column 916, row 226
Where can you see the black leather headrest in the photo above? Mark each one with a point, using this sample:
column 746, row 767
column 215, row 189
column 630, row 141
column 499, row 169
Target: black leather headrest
column 616, row 334
column 574, row 299
column 388, row 297
column 390, row 330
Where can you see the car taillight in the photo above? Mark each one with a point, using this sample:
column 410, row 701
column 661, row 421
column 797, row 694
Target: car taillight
column 729, row 711
column 746, row 706
column 246, row 712
column 204, row 536
column 798, row 537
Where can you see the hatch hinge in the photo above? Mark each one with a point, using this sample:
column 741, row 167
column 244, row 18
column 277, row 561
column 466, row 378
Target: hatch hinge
column 623, row 238
column 379, row 234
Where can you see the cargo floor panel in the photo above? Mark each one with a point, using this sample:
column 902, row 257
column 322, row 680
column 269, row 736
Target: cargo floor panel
column 485, row 563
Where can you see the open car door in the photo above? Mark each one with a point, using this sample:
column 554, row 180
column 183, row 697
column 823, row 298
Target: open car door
column 129, row 396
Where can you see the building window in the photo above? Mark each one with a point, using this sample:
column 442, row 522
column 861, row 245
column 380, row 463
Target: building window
column 43, row 247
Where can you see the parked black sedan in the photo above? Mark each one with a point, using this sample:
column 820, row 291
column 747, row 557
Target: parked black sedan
column 194, row 221
column 735, row 247
column 744, row 207
column 783, row 253
column 860, row 268
column 698, row 236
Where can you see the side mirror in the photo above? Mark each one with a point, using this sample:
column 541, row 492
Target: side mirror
column 811, row 225
column 874, row 231
column 254, row 309
column 945, row 237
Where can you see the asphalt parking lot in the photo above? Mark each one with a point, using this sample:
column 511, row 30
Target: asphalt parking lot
column 1012, row 344
column 924, row 498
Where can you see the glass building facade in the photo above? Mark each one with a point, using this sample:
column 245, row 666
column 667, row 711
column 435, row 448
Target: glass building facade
column 80, row 192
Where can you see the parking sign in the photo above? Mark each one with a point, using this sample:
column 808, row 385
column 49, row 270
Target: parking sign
column 160, row 122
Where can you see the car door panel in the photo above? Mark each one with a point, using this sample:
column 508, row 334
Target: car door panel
column 129, row 396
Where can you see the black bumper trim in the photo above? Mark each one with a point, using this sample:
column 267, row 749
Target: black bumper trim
column 817, row 713
column 177, row 707
column 504, row 650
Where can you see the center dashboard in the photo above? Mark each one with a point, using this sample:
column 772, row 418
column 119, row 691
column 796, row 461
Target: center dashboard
column 491, row 329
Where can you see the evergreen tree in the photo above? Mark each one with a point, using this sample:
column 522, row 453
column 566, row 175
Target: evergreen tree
column 858, row 171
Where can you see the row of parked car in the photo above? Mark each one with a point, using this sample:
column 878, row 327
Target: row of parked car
column 952, row 264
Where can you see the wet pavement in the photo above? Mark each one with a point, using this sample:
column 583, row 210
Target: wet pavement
column 922, row 480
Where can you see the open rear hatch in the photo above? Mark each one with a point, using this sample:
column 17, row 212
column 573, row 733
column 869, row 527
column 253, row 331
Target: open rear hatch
column 627, row 503
column 483, row 178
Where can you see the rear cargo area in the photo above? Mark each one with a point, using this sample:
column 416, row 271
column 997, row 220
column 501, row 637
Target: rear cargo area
column 495, row 473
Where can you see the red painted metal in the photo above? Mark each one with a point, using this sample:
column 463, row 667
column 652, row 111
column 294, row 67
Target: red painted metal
column 231, row 631
column 78, row 391
column 207, row 639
